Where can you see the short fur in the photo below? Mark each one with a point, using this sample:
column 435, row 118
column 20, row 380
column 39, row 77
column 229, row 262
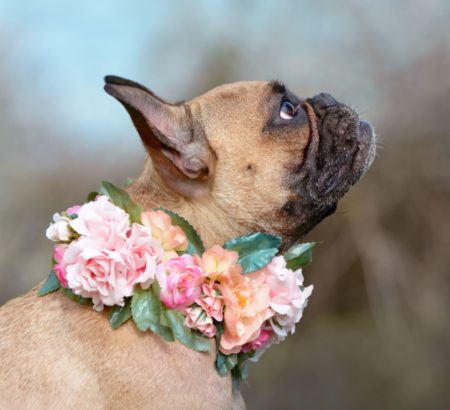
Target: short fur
column 228, row 164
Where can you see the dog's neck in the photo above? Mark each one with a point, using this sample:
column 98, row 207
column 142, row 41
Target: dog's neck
column 212, row 223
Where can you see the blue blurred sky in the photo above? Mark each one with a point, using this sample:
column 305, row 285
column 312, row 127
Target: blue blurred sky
column 62, row 49
column 58, row 51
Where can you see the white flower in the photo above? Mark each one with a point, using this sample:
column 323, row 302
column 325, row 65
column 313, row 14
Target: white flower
column 288, row 298
column 58, row 230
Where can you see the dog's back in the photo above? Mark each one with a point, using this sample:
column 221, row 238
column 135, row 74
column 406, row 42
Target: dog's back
column 58, row 354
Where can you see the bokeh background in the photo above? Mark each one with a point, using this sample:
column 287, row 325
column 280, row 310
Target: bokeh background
column 376, row 333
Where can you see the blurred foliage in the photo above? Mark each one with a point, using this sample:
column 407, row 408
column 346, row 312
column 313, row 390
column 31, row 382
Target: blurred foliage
column 376, row 332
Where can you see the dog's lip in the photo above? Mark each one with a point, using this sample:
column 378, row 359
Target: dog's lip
column 365, row 148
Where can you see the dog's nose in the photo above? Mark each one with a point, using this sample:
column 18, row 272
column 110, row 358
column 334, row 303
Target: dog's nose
column 322, row 101
column 336, row 119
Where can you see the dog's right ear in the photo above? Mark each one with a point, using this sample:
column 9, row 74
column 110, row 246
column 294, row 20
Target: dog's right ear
column 181, row 155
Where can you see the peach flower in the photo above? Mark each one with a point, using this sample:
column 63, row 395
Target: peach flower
column 171, row 237
column 196, row 318
column 246, row 309
column 219, row 263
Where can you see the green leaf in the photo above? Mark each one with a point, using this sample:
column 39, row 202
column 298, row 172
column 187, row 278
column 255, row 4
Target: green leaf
column 50, row 285
column 236, row 378
column 76, row 298
column 145, row 308
column 255, row 250
column 162, row 331
column 195, row 244
column 122, row 199
column 128, row 182
column 190, row 339
column 91, row 196
column 221, row 367
column 231, row 361
column 299, row 255
column 243, row 363
column 119, row 315
column 244, row 371
column 146, row 312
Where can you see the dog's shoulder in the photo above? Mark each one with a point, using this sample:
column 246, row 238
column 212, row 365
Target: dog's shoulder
column 44, row 339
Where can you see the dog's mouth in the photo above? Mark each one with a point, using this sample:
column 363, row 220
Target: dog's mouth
column 341, row 149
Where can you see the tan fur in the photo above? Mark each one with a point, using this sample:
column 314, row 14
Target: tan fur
column 58, row 354
column 241, row 200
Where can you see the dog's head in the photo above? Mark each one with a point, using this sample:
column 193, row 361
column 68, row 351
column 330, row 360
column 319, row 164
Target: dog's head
column 267, row 159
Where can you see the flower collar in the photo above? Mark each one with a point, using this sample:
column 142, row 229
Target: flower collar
column 152, row 268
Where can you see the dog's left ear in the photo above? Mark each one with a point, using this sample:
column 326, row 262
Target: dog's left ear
column 180, row 153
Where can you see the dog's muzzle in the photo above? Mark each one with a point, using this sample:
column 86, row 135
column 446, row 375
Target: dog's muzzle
column 341, row 152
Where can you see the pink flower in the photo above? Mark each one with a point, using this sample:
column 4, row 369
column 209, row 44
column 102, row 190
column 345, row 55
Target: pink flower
column 261, row 342
column 171, row 237
column 180, row 280
column 196, row 318
column 219, row 263
column 287, row 299
column 211, row 302
column 145, row 253
column 58, row 267
column 73, row 210
column 110, row 257
column 246, row 309
column 102, row 221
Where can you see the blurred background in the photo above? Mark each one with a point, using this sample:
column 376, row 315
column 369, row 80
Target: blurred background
column 376, row 332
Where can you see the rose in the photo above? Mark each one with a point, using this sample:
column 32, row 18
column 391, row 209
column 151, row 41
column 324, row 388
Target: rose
column 73, row 210
column 110, row 257
column 246, row 309
column 97, row 273
column 196, row 318
column 102, row 221
column 287, row 300
column 145, row 253
column 211, row 302
column 58, row 267
column 218, row 263
column 172, row 238
column 261, row 342
column 58, row 230
column 180, row 280
column 109, row 275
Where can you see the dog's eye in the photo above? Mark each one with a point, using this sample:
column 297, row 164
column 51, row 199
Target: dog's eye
column 287, row 110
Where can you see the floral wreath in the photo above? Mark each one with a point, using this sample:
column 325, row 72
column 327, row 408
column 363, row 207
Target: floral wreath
column 153, row 268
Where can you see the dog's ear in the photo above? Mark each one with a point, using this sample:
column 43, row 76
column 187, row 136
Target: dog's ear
column 180, row 152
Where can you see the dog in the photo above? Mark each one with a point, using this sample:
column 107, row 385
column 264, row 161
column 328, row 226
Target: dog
column 244, row 157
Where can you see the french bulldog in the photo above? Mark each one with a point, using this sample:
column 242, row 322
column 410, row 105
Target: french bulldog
column 244, row 157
